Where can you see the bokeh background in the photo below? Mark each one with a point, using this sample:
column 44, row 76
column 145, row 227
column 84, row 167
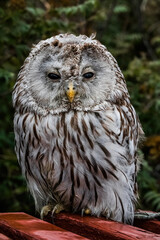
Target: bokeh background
column 131, row 32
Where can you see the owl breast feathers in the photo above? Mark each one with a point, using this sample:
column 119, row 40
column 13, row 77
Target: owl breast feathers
column 76, row 131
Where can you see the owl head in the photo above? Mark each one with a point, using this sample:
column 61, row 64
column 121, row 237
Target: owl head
column 68, row 72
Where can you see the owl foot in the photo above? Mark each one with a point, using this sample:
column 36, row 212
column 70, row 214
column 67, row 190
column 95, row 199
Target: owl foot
column 45, row 210
column 86, row 211
column 147, row 215
column 50, row 208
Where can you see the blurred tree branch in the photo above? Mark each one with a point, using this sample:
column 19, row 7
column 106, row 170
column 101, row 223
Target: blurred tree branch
column 139, row 16
column 110, row 13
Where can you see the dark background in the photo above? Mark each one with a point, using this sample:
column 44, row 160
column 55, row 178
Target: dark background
column 131, row 32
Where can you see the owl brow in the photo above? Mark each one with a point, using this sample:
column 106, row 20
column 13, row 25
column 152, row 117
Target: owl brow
column 88, row 66
column 46, row 59
column 38, row 71
column 100, row 67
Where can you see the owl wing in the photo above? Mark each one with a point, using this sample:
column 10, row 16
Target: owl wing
column 127, row 133
column 32, row 155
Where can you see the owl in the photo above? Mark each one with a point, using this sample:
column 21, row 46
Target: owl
column 76, row 132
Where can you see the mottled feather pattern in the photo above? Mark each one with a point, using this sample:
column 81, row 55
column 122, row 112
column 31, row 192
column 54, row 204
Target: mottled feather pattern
column 83, row 155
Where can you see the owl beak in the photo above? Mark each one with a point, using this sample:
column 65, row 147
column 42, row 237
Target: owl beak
column 71, row 91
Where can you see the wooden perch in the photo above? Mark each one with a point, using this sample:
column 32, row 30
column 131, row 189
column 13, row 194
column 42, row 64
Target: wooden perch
column 71, row 226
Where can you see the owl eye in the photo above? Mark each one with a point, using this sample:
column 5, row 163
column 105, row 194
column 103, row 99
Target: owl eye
column 88, row 75
column 54, row 76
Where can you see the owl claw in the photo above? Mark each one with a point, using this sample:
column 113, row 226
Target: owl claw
column 57, row 209
column 50, row 208
column 45, row 210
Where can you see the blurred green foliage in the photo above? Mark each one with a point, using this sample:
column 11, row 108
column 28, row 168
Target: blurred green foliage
column 131, row 32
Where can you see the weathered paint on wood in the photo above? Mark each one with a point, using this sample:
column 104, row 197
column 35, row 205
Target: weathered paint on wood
column 20, row 226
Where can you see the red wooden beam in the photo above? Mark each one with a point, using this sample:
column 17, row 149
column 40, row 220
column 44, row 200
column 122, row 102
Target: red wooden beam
column 4, row 237
column 23, row 226
column 149, row 225
column 100, row 228
column 20, row 226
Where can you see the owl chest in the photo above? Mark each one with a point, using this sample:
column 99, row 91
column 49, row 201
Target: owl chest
column 78, row 143
column 73, row 153
column 75, row 135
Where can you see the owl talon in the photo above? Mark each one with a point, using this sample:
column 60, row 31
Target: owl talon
column 45, row 210
column 58, row 208
column 50, row 208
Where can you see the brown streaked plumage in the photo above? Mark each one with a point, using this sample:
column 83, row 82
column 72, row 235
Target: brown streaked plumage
column 76, row 131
